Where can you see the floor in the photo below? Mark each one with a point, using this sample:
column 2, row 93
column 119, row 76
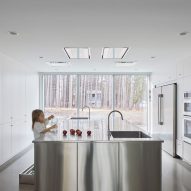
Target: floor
column 176, row 174
column 9, row 178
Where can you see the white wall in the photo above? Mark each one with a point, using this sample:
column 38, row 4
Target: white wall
column 181, row 74
column 19, row 95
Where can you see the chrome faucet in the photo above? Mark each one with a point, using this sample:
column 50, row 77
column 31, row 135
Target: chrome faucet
column 109, row 119
column 88, row 109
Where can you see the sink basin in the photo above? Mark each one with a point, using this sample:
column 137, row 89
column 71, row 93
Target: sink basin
column 129, row 134
column 79, row 118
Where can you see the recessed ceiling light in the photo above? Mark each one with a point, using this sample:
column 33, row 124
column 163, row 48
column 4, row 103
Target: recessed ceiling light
column 113, row 53
column 183, row 33
column 57, row 63
column 126, row 63
column 13, row 33
column 41, row 57
column 77, row 53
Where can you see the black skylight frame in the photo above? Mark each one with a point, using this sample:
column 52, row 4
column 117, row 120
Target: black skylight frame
column 103, row 49
column 65, row 49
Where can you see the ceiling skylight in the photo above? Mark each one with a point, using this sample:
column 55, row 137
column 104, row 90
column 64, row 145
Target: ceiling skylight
column 78, row 53
column 114, row 53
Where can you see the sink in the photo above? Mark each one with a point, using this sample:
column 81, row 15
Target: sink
column 129, row 134
column 79, row 118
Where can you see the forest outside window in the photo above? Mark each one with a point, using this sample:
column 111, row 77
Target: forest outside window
column 65, row 94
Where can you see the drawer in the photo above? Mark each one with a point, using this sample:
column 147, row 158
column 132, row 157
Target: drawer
column 187, row 152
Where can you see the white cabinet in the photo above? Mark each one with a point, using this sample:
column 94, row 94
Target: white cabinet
column 187, row 68
column 18, row 97
column 180, row 99
column 1, row 90
column 180, row 70
column 187, row 84
column 1, row 159
column 179, row 145
column 6, row 142
column 32, row 93
column 187, row 152
column 32, row 101
column 13, row 93
column 7, row 84
column 18, row 136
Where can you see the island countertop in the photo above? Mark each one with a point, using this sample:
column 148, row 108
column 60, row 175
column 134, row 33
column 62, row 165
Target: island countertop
column 97, row 162
column 99, row 132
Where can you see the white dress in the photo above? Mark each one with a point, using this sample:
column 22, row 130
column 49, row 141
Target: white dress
column 39, row 127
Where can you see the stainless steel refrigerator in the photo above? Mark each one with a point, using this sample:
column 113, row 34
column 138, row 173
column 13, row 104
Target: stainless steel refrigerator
column 165, row 116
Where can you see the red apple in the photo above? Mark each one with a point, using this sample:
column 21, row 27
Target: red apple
column 64, row 132
column 89, row 133
column 79, row 133
column 72, row 131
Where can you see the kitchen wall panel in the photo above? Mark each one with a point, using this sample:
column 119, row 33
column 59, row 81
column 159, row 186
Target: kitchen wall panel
column 19, row 95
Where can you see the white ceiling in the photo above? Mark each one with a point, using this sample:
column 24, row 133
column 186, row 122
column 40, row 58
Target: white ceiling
column 147, row 27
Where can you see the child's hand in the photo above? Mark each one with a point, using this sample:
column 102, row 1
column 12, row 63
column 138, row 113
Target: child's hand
column 50, row 117
column 55, row 126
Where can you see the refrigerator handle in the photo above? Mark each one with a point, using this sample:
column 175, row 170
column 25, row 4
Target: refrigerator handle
column 160, row 110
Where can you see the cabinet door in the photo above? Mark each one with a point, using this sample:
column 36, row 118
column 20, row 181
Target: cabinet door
column 29, row 132
column 180, row 107
column 1, row 93
column 18, row 94
column 1, row 155
column 187, row 152
column 32, row 101
column 140, row 166
column 18, row 136
column 187, row 68
column 7, row 84
column 59, row 172
column 6, row 142
column 187, row 87
column 97, row 166
column 179, row 146
column 32, row 93
column 180, row 70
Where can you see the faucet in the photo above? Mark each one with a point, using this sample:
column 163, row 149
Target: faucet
column 88, row 109
column 109, row 119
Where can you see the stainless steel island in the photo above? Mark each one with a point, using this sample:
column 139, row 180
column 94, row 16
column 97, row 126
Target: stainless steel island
column 97, row 163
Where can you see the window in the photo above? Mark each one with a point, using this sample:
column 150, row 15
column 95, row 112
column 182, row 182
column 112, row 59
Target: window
column 114, row 53
column 77, row 53
column 95, row 91
column 131, row 98
column 65, row 95
column 60, row 95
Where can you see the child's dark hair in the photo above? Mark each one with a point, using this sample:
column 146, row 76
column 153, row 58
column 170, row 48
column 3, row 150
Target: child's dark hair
column 35, row 116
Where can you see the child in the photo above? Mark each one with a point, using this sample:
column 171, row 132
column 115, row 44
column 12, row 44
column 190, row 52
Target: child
column 39, row 123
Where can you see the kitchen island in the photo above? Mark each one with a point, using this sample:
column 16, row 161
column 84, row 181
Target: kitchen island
column 98, row 162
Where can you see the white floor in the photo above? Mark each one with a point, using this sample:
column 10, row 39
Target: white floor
column 9, row 178
column 176, row 174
